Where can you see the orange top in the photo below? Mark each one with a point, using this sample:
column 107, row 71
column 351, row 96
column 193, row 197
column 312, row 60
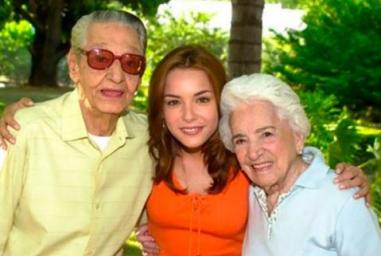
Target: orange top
column 191, row 224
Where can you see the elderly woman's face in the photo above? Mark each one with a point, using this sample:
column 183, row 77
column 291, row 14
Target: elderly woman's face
column 110, row 90
column 265, row 145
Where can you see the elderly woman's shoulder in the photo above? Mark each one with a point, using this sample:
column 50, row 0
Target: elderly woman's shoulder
column 319, row 173
column 335, row 197
column 321, row 178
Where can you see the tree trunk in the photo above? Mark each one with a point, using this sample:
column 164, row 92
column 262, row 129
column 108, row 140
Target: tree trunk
column 45, row 49
column 245, row 37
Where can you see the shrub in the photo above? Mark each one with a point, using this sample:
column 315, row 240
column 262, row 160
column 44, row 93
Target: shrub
column 339, row 53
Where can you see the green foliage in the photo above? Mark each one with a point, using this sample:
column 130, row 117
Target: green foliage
column 12, row 9
column 5, row 9
column 336, row 62
column 339, row 52
column 14, row 58
column 345, row 143
column 72, row 10
column 337, row 134
column 286, row 3
column 373, row 165
column 321, row 110
column 46, row 16
column 2, row 106
column 333, row 130
column 132, row 246
column 167, row 32
column 376, row 195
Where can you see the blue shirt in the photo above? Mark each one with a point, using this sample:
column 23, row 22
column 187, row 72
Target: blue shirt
column 314, row 218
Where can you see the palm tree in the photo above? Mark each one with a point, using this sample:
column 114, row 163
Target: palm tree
column 245, row 37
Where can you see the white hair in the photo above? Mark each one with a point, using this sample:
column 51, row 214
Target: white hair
column 247, row 89
column 79, row 31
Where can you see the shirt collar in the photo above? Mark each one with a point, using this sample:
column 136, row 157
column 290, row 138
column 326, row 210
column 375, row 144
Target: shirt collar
column 73, row 124
column 316, row 171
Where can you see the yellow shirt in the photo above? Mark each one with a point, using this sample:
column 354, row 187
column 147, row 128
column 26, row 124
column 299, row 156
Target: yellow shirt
column 60, row 194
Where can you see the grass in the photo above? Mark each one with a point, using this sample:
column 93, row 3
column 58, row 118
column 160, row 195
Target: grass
column 132, row 247
column 12, row 94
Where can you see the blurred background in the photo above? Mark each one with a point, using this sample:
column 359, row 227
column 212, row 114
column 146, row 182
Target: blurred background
column 328, row 50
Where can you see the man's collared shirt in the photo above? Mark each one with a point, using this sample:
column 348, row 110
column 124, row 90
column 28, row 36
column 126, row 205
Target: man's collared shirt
column 3, row 154
column 60, row 194
column 314, row 218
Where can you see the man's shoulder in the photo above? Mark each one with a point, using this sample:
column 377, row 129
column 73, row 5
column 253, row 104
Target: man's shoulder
column 136, row 119
column 47, row 110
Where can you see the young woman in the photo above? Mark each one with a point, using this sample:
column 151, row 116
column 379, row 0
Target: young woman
column 197, row 185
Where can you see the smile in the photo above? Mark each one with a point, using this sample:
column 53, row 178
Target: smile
column 191, row 130
column 112, row 93
column 261, row 167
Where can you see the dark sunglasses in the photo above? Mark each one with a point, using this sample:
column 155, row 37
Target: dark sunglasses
column 100, row 59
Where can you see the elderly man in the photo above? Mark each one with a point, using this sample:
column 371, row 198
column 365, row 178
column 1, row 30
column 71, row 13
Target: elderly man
column 295, row 208
column 77, row 178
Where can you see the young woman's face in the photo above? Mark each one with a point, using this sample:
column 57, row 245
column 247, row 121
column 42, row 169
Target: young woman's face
column 190, row 107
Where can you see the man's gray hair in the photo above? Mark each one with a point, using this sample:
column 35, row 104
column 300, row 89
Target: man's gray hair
column 79, row 31
column 247, row 89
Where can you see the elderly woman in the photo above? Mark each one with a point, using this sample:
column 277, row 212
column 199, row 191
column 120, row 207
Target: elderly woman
column 295, row 208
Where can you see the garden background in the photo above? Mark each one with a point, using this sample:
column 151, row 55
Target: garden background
column 333, row 62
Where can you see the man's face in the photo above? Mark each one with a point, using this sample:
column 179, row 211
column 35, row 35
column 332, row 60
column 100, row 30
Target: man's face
column 108, row 91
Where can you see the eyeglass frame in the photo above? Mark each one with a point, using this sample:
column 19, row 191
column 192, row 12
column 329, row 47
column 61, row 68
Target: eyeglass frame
column 115, row 57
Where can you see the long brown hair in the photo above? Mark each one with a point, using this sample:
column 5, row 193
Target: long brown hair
column 163, row 147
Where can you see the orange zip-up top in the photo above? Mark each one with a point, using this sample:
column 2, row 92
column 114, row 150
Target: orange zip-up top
column 199, row 225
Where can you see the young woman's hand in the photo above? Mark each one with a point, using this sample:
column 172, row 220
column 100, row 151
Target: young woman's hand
column 150, row 248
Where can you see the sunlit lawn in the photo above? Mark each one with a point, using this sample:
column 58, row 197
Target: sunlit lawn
column 368, row 131
column 11, row 94
column 8, row 95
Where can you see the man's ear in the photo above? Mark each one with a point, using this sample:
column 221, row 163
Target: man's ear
column 73, row 66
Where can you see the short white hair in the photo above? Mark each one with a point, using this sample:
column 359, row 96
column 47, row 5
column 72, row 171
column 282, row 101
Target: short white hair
column 79, row 30
column 247, row 89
